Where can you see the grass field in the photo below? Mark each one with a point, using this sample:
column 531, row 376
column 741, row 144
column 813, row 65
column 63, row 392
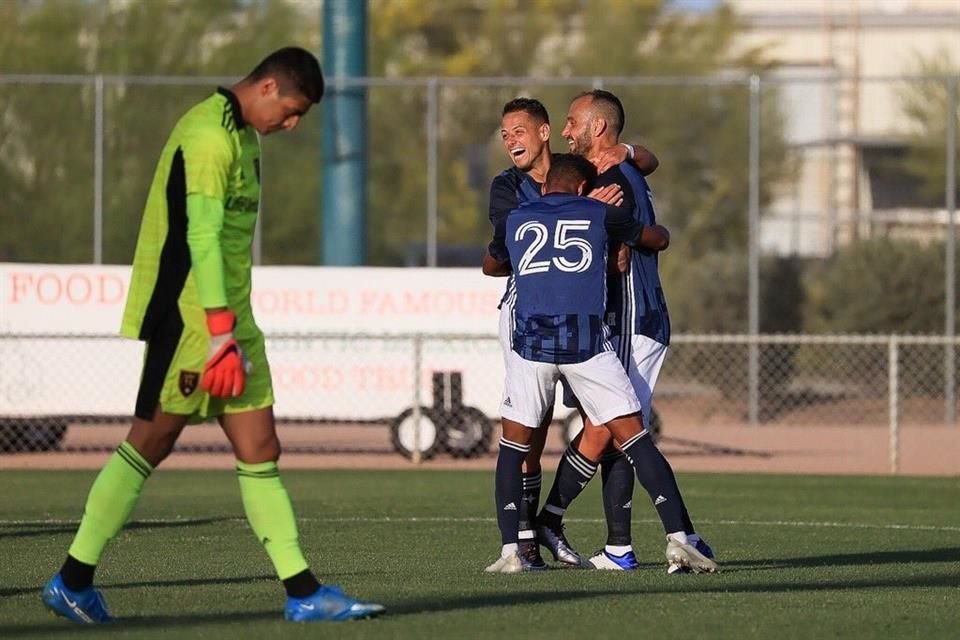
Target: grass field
column 802, row 556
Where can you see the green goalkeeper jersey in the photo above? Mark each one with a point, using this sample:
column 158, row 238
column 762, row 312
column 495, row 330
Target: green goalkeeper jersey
column 194, row 247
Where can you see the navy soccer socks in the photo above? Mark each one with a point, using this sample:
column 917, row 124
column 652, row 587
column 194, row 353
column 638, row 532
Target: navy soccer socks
column 509, row 489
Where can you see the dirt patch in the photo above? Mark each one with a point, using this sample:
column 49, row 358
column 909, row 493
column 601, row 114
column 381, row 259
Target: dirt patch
column 794, row 448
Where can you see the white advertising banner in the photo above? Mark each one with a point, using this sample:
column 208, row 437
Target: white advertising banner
column 329, row 378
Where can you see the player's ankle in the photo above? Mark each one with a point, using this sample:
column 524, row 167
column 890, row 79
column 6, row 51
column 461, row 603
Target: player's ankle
column 618, row 549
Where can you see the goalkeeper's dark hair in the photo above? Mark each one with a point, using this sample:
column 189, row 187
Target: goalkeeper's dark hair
column 608, row 106
column 531, row 106
column 294, row 68
column 567, row 171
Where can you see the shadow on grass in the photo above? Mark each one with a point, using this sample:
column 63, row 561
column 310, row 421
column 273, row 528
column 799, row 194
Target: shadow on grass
column 507, row 598
column 183, row 582
column 33, row 531
column 868, row 558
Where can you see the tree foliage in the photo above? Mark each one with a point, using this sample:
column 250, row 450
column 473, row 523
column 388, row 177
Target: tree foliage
column 699, row 131
column 47, row 141
column 925, row 103
column 880, row 285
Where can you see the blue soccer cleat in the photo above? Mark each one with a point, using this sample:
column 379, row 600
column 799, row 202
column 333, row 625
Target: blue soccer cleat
column 86, row 606
column 704, row 548
column 603, row 559
column 329, row 603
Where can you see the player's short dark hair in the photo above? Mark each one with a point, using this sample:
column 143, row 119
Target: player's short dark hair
column 531, row 106
column 609, row 107
column 298, row 67
column 570, row 170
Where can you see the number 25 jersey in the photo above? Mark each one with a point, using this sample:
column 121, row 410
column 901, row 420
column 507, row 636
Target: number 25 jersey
column 558, row 249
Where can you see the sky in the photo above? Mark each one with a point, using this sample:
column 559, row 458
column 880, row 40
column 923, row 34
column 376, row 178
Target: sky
column 697, row 6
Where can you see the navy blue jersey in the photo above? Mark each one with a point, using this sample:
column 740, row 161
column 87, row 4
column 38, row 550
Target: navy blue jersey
column 636, row 304
column 558, row 248
column 508, row 191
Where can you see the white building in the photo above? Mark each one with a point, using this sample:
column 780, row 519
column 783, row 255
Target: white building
column 841, row 94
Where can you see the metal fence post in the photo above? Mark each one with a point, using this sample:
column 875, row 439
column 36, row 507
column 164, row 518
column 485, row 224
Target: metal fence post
column 754, row 254
column 894, row 372
column 432, row 153
column 949, row 353
column 98, row 169
column 417, row 372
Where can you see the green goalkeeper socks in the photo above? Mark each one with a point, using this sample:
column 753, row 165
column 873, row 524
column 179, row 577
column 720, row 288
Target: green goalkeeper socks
column 112, row 498
column 270, row 514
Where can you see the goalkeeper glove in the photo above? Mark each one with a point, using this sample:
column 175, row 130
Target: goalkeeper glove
column 224, row 373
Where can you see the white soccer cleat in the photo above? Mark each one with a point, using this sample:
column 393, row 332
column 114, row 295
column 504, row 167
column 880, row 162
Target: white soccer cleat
column 607, row 561
column 686, row 556
column 510, row 564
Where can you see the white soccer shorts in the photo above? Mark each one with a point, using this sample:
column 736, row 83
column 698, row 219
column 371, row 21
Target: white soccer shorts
column 643, row 366
column 601, row 384
column 505, row 328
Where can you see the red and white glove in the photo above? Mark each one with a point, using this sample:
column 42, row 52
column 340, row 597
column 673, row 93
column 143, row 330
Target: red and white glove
column 224, row 375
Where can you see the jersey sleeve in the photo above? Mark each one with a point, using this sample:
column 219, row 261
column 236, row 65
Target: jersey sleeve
column 622, row 226
column 208, row 156
column 503, row 200
column 204, row 225
column 615, row 176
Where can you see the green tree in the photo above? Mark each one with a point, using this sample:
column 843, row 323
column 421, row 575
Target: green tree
column 925, row 103
column 46, row 171
column 879, row 285
column 700, row 132
column 46, row 139
column 46, row 163
column 882, row 285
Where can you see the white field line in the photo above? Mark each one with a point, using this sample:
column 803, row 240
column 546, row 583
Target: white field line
column 468, row 520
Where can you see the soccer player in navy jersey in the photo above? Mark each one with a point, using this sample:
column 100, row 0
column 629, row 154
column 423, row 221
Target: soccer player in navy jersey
column 557, row 248
column 640, row 324
column 525, row 133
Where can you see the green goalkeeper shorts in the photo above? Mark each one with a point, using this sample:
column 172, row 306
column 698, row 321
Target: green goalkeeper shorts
column 173, row 367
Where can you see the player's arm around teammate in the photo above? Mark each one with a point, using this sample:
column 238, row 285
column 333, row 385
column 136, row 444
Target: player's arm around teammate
column 189, row 301
column 594, row 122
column 525, row 135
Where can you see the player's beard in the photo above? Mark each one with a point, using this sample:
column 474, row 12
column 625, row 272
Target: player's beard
column 582, row 144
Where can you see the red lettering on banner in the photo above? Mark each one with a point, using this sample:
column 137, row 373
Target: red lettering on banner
column 19, row 285
column 380, row 378
column 78, row 294
column 367, row 300
column 301, row 301
column 441, row 302
column 104, row 291
column 307, row 378
column 74, row 288
column 417, row 302
column 43, row 288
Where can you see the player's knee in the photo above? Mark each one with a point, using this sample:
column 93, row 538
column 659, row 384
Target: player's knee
column 594, row 441
column 155, row 449
column 267, row 450
column 531, row 464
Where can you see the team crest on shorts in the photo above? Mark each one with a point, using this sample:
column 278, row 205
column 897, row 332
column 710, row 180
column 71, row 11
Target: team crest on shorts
column 188, row 382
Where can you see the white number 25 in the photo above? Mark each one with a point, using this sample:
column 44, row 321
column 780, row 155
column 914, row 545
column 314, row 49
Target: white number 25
column 561, row 241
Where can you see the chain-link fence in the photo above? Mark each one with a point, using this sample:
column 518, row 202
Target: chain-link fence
column 797, row 164
column 359, row 393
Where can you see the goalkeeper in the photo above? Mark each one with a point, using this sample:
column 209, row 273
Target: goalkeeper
column 189, row 300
